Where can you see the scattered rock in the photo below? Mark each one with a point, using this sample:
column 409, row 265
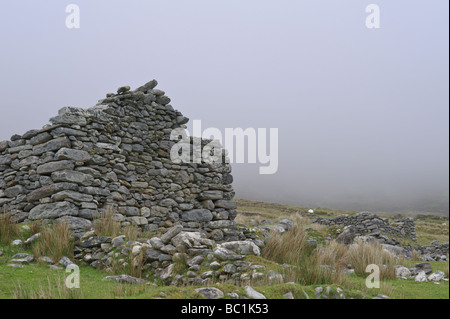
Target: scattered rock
column 253, row 294
column 437, row 276
column 421, row 277
column 288, row 295
column 65, row 262
column 210, row 293
column 16, row 242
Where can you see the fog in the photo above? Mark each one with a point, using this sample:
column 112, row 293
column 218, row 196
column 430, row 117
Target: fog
column 362, row 113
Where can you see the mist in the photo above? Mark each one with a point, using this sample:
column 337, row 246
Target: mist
column 362, row 113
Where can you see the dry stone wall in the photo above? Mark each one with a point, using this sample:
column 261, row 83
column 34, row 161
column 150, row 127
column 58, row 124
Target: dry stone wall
column 368, row 223
column 115, row 154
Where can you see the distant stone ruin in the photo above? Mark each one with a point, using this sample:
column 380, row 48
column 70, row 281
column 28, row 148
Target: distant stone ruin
column 365, row 223
column 115, row 154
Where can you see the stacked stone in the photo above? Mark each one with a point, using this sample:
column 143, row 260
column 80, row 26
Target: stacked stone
column 115, row 154
column 368, row 223
column 434, row 251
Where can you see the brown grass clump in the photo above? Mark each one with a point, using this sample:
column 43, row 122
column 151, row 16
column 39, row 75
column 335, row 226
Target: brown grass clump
column 53, row 291
column 371, row 253
column 55, row 242
column 306, row 264
column 8, row 229
column 106, row 225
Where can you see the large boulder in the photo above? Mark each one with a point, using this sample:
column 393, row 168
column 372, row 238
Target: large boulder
column 210, row 293
column 242, row 247
column 192, row 240
column 425, row 267
column 53, row 210
column 76, row 224
column 347, row 236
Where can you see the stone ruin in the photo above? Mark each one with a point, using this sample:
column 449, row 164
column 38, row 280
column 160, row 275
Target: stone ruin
column 366, row 223
column 115, row 154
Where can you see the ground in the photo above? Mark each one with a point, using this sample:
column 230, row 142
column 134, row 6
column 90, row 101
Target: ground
column 40, row 281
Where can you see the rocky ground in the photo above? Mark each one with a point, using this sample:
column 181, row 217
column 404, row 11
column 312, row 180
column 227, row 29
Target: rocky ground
column 206, row 268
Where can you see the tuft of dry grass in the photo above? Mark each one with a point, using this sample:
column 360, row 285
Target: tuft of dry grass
column 181, row 261
column 307, row 265
column 415, row 255
column 8, row 229
column 132, row 232
column 55, row 242
column 131, row 265
column 127, row 290
column 106, row 224
column 53, row 291
column 371, row 253
column 35, row 228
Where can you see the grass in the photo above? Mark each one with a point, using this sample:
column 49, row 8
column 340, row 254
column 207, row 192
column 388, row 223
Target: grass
column 55, row 241
column 106, row 224
column 306, row 267
column 8, row 229
column 372, row 254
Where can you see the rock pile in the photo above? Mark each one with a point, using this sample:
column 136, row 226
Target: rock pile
column 159, row 255
column 115, row 154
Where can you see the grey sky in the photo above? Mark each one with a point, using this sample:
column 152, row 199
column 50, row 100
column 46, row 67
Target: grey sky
column 362, row 113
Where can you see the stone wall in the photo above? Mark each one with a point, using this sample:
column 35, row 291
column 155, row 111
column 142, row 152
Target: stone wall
column 367, row 223
column 115, row 154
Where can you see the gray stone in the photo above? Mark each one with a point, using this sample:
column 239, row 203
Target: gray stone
column 170, row 233
column 52, row 145
column 242, row 247
column 118, row 241
column 288, row 295
column 402, row 271
column 253, row 294
column 210, row 293
column 76, row 223
column 425, row 267
column 78, row 197
column 40, row 138
column 153, row 254
column 167, row 272
column 23, row 261
column 129, row 211
column 225, row 204
column 191, row 240
column 197, row 215
column 14, row 191
column 51, row 167
column 53, row 210
column 421, row 276
column 65, row 262
column 156, row 243
column 16, row 242
column 72, row 177
column 32, row 239
column 437, row 276
column 5, row 160
column 213, row 195
column 74, row 155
